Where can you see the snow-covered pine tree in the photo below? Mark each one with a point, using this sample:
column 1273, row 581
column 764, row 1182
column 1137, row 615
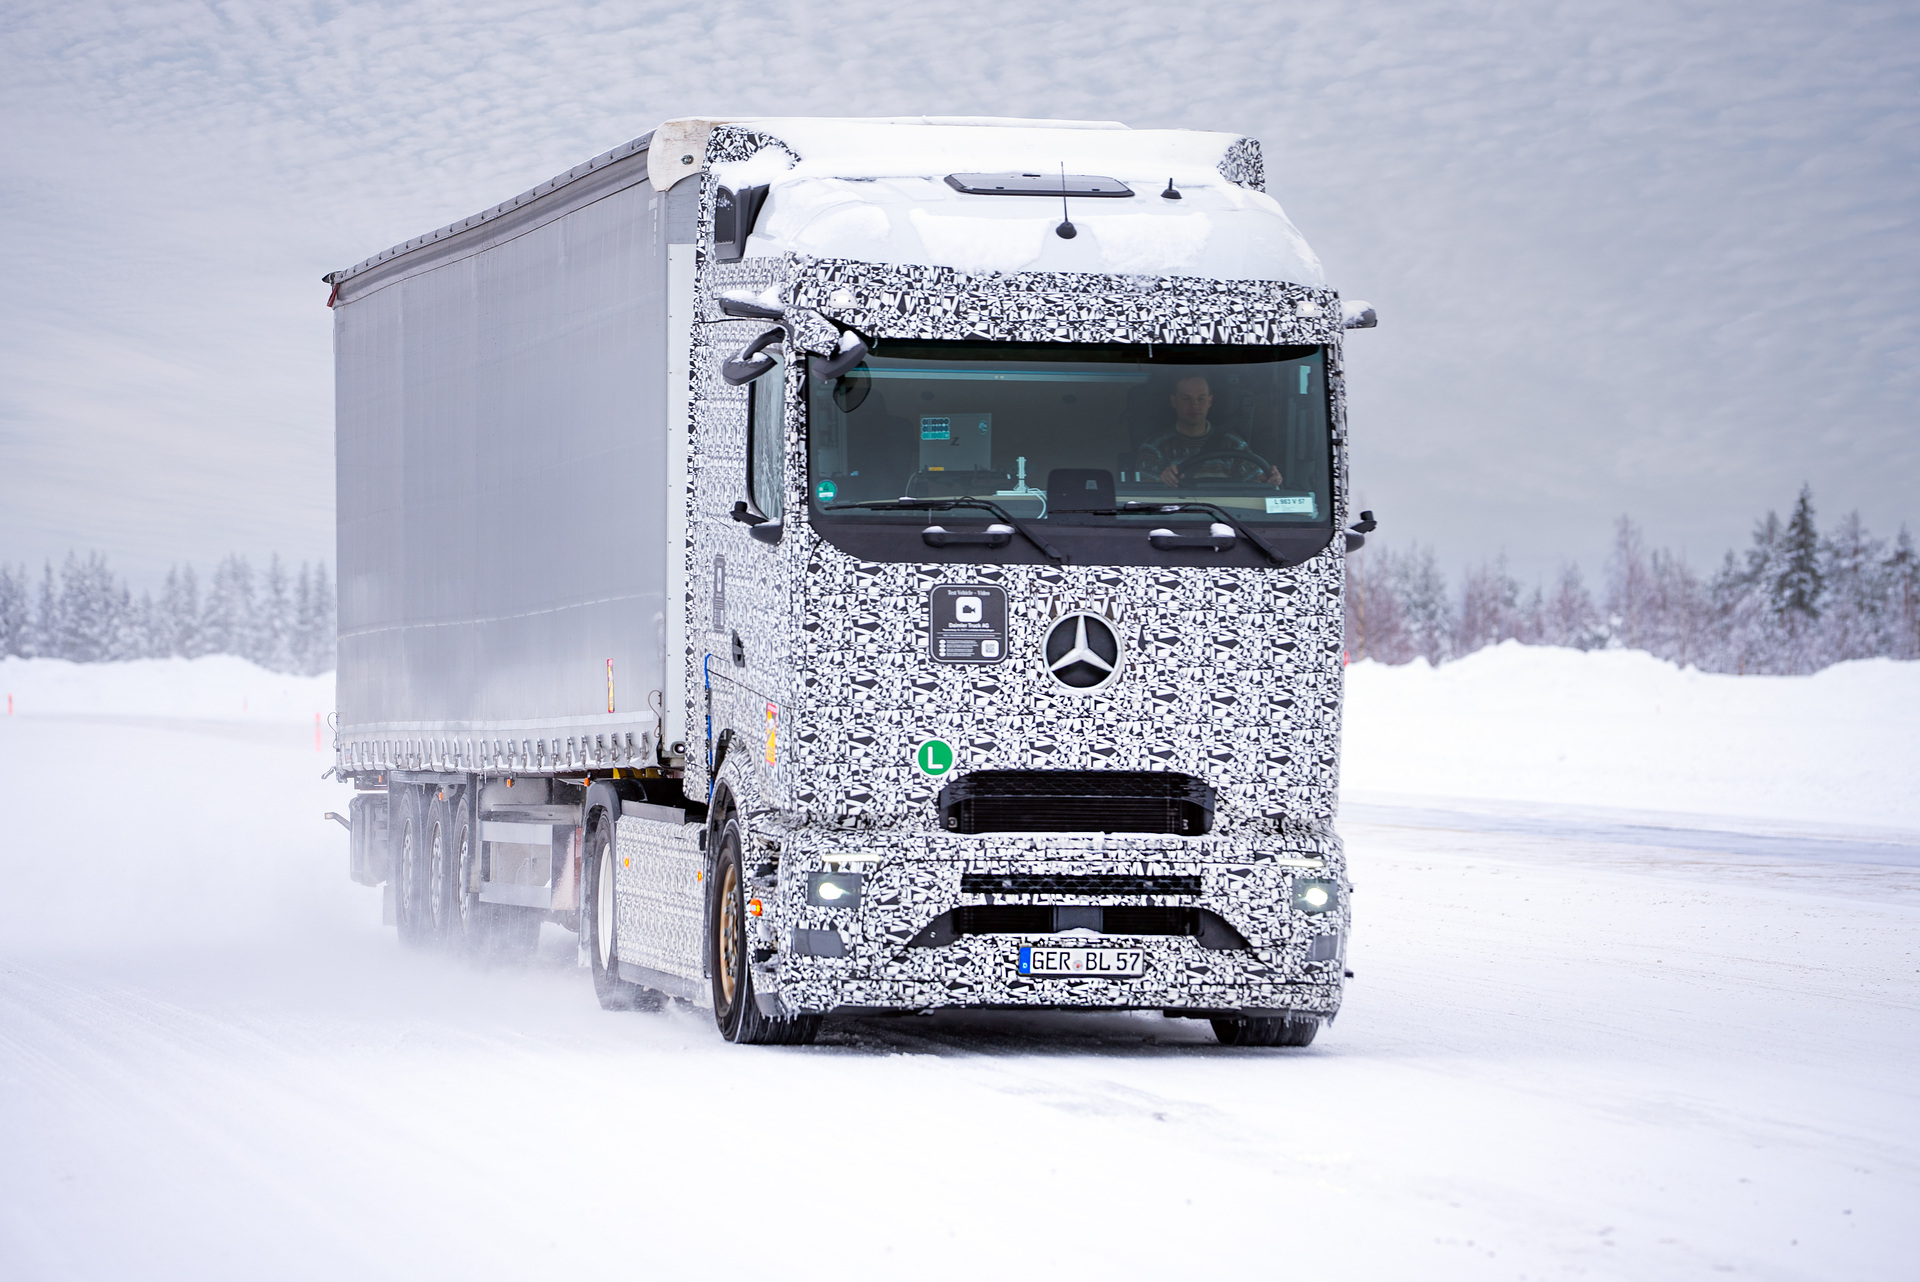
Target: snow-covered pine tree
column 273, row 637
column 227, row 618
column 44, row 638
column 1489, row 610
column 89, row 611
column 1422, row 592
column 313, row 620
column 1902, row 568
column 15, row 621
column 1376, row 625
column 325, row 623
column 1676, row 608
column 1629, row 587
column 180, row 613
column 1571, row 618
column 133, row 626
column 1745, row 626
column 1855, row 622
column 1798, row 586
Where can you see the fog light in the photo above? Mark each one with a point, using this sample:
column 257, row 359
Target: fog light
column 833, row 889
column 1315, row 896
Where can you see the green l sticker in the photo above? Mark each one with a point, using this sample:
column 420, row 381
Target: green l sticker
column 825, row 491
column 933, row 758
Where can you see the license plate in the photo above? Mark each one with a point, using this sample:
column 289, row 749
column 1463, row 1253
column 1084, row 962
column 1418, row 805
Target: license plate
column 1076, row 963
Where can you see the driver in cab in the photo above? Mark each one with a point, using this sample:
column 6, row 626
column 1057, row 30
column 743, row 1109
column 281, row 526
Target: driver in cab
column 1221, row 454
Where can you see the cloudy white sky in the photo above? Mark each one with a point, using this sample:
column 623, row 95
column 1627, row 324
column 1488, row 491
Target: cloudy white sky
column 1657, row 258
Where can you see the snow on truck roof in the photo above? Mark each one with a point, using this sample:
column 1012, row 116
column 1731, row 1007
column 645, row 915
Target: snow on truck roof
column 878, row 190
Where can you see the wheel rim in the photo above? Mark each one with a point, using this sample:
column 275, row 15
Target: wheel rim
column 729, row 930
column 409, row 858
column 437, row 875
column 603, row 910
column 461, row 896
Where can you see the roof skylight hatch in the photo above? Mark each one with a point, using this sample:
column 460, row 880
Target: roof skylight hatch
column 1022, row 184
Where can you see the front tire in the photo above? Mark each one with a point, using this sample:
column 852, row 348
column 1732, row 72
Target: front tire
column 1267, row 1030
column 735, row 1008
column 600, row 919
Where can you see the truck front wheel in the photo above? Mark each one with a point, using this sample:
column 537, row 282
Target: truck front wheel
column 735, row 1007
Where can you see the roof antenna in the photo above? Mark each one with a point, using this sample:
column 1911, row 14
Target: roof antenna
column 1066, row 229
column 1170, row 193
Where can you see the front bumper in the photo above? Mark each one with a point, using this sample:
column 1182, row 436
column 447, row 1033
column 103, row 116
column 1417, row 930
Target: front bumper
column 888, row 953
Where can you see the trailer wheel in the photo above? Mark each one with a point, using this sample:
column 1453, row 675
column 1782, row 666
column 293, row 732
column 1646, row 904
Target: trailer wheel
column 1267, row 1030
column 466, row 917
column 410, row 910
column 445, row 888
column 600, row 919
column 734, row 1006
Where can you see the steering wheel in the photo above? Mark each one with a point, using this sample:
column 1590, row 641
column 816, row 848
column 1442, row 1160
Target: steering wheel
column 1248, row 466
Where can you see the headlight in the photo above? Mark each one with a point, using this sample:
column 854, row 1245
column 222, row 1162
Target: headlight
column 1315, row 895
column 833, row 889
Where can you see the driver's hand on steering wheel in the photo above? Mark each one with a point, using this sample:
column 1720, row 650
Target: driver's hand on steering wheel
column 1171, row 475
column 1274, row 478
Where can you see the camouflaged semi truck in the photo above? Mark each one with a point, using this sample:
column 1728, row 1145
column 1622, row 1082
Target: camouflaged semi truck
column 858, row 565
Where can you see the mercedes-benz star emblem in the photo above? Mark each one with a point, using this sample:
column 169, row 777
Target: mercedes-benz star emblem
column 1083, row 652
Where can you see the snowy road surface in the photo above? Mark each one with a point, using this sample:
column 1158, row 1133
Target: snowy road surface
column 1571, row 1051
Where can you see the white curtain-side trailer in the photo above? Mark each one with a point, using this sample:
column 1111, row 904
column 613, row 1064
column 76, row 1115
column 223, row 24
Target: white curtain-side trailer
column 858, row 565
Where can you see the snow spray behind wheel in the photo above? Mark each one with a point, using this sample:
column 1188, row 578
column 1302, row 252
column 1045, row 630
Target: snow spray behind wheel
column 981, row 581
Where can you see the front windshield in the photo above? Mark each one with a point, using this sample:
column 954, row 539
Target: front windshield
column 1077, row 432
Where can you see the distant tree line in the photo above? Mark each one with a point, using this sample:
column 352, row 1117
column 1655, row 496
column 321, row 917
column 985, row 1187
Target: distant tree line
column 281, row 621
column 1793, row 602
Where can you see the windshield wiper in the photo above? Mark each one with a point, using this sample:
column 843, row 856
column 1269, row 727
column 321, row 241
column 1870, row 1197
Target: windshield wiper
column 946, row 505
column 1211, row 509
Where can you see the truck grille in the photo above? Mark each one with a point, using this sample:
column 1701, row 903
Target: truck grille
column 1208, row 929
column 1159, row 801
column 1045, row 919
column 979, row 883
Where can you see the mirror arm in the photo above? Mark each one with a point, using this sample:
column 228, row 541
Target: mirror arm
column 833, row 367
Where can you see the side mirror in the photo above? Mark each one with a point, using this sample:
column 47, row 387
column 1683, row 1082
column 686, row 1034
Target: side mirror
column 760, row 527
column 1356, row 314
column 751, row 361
column 734, row 214
column 1357, row 532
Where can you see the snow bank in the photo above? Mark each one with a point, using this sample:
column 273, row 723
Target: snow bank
column 1623, row 730
column 214, row 688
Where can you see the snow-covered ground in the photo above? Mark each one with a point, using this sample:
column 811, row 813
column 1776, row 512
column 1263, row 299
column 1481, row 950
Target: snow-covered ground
column 1622, row 730
column 1584, row 1039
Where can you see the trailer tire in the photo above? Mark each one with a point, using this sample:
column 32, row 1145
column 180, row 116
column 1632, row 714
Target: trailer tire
column 1267, row 1030
column 410, row 910
column 600, row 920
column 445, row 869
column 735, row 1008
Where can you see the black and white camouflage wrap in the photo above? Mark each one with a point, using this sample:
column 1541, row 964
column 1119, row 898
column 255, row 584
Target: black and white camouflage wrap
column 1234, row 676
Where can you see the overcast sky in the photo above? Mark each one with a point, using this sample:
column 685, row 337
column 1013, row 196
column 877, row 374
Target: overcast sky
column 1653, row 258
